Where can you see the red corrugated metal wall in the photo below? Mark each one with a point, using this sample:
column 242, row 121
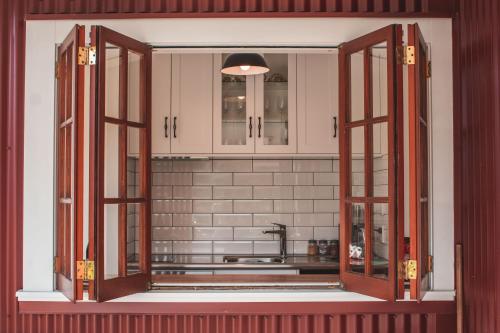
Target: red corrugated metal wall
column 244, row 7
column 477, row 159
column 392, row 319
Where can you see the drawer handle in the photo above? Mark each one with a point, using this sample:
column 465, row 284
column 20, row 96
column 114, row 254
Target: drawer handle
column 165, row 126
column 250, row 127
column 259, row 126
column 175, row 127
column 334, row 126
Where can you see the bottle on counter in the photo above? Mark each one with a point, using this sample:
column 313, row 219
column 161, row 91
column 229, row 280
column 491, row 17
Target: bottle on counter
column 323, row 247
column 312, row 248
column 334, row 248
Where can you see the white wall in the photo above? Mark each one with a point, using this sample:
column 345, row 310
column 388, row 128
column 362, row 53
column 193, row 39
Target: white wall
column 42, row 36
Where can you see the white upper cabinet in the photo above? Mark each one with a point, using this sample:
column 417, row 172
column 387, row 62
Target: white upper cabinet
column 192, row 91
column 317, row 103
column 233, row 111
column 160, row 107
column 276, row 105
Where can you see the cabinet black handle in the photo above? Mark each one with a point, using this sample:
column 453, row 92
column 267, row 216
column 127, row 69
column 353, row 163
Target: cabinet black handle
column 175, row 127
column 335, row 127
column 259, row 126
column 250, row 127
column 165, row 126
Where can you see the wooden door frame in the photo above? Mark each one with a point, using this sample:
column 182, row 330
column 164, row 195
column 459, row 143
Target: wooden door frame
column 393, row 287
column 102, row 289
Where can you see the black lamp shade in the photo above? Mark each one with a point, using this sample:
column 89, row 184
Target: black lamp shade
column 245, row 64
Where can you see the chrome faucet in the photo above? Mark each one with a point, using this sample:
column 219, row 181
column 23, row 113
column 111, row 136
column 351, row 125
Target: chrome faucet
column 282, row 233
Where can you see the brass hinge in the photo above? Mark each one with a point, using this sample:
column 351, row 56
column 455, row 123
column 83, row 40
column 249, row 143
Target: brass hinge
column 86, row 55
column 409, row 55
column 428, row 69
column 58, row 70
column 57, row 264
column 408, row 269
column 85, row 270
column 430, row 263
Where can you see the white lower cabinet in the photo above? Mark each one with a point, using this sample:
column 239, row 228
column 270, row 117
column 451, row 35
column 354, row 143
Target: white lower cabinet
column 257, row 271
column 317, row 103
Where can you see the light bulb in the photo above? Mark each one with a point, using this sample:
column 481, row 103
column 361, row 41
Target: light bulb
column 245, row 67
column 241, row 97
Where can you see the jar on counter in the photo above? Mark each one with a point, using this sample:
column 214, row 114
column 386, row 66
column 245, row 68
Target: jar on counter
column 334, row 248
column 312, row 248
column 323, row 247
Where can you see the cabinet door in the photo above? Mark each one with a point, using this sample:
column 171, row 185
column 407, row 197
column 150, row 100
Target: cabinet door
column 276, row 105
column 160, row 112
column 317, row 103
column 192, row 80
column 234, row 120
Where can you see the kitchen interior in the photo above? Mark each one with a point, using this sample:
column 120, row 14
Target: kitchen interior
column 245, row 167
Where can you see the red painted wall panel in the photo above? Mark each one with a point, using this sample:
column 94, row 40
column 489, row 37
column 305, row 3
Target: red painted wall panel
column 477, row 159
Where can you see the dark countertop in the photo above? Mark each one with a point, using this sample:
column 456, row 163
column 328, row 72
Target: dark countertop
column 210, row 262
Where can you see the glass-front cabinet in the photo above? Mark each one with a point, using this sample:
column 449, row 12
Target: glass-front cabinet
column 256, row 114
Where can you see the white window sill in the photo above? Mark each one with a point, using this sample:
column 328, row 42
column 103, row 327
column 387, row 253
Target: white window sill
column 235, row 296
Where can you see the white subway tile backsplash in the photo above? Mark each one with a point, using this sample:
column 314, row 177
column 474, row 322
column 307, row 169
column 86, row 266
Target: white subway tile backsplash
column 272, row 166
column 172, row 233
column 299, row 233
column 215, row 233
column 212, row 178
column 358, row 165
column 222, row 206
column 164, row 220
column 172, row 206
column 269, row 219
column 326, row 178
column 232, row 165
column 326, row 206
column 191, row 220
column 232, row 220
column 233, row 247
column 313, row 192
column 293, row 179
column 266, row 247
column 312, row 166
column 192, row 166
column 161, row 192
column 256, row 233
column 326, row 233
column 161, row 247
column 300, row 247
column 192, row 247
column 253, row 179
column 172, row 179
column 273, row 192
column 192, row 192
column 293, row 206
column 232, row 192
column 314, row 219
column 253, row 206
column 161, row 166
column 212, row 206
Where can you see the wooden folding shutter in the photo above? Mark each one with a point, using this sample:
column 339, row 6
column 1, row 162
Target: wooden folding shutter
column 69, row 164
column 371, row 163
column 120, row 159
column 418, row 71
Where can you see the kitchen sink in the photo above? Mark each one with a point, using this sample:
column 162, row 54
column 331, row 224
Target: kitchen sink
column 253, row 260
